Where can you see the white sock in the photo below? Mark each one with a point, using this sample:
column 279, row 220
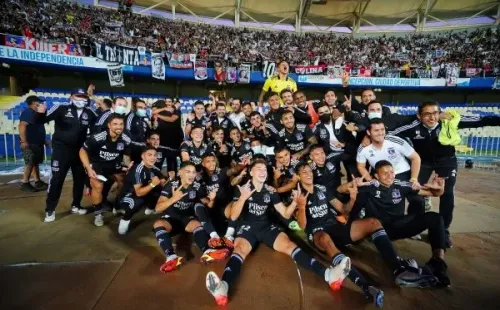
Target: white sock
column 229, row 232
column 214, row 235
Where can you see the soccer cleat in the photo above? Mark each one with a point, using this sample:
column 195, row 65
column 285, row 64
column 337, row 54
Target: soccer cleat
column 173, row 262
column 123, row 227
column 148, row 211
column 214, row 255
column 376, row 295
column 118, row 211
column 217, row 288
column 335, row 275
column 78, row 210
column 408, row 262
column 99, row 220
column 414, row 278
column 215, row 243
column 294, row 226
column 228, row 242
column 50, row 217
column 439, row 269
column 428, row 203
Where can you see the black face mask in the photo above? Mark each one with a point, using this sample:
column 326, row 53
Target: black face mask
column 98, row 110
column 325, row 118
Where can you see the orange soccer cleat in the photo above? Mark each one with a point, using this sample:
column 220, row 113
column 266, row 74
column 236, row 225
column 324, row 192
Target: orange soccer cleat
column 214, row 255
column 215, row 243
column 173, row 262
column 229, row 242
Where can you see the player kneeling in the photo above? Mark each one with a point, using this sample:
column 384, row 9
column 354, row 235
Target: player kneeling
column 141, row 187
column 179, row 199
column 251, row 206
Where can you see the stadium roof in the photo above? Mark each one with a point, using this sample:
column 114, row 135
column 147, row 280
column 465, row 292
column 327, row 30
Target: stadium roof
column 348, row 16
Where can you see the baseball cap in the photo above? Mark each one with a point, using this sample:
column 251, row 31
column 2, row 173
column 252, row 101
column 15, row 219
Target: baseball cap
column 79, row 91
column 32, row 99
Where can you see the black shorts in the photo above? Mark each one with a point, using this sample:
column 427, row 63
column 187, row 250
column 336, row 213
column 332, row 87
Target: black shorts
column 131, row 201
column 340, row 234
column 258, row 232
column 33, row 155
column 107, row 170
column 178, row 220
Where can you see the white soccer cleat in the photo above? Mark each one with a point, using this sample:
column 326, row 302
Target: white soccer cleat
column 78, row 210
column 123, row 227
column 49, row 217
column 217, row 288
column 335, row 275
column 99, row 220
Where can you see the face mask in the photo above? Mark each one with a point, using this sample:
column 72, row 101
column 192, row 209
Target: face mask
column 257, row 149
column 141, row 113
column 325, row 118
column 120, row 110
column 339, row 122
column 79, row 104
column 373, row 115
column 98, row 110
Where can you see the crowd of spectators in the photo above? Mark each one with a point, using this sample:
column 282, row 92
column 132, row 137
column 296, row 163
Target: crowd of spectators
column 73, row 23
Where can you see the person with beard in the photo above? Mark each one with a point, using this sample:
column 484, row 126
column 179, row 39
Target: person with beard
column 102, row 156
column 252, row 203
column 246, row 107
column 298, row 138
column 192, row 150
column 72, row 122
column 198, row 118
column 278, row 82
column 330, row 96
column 336, row 137
column 236, row 115
column 166, row 120
column 221, row 120
column 178, row 201
column 119, row 106
column 304, row 111
column 259, row 129
column 241, row 150
column 220, row 147
column 142, row 187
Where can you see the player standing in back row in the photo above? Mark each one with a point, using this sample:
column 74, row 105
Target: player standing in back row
column 278, row 82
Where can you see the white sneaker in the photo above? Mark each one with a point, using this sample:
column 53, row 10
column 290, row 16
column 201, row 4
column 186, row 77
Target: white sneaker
column 428, row 203
column 118, row 211
column 217, row 288
column 78, row 210
column 148, row 211
column 99, row 220
column 123, row 227
column 416, row 237
column 336, row 275
column 50, row 217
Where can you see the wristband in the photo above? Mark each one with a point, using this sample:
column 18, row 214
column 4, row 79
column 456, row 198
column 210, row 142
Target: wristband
column 413, row 180
column 152, row 185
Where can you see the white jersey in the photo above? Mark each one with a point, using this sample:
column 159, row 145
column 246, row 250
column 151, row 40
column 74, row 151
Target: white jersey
column 395, row 150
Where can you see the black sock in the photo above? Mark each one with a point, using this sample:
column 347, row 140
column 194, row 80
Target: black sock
column 205, row 221
column 98, row 209
column 354, row 275
column 164, row 240
column 386, row 249
column 233, row 268
column 308, row 262
column 201, row 238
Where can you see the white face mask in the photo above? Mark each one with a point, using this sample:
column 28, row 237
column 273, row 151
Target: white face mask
column 120, row 110
column 79, row 104
column 141, row 112
column 257, row 149
column 373, row 115
column 339, row 122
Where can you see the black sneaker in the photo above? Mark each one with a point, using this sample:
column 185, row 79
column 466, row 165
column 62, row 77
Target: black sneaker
column 447, row 241
column 27, row 187
column 41, row 186
column 413, row 277
column 439, row 268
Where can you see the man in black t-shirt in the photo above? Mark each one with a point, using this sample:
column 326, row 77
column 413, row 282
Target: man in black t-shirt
column 182, row 201
column 102, row 156
column 384, row 199
column 319, row 217
column 32, row 139
column 141, row 187
column 298, row 138
column 251, row 206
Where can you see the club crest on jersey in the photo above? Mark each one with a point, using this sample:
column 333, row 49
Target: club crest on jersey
column 321, row 195
column 330, row 166
column 377, row 194
column 267, row 198
column 247, row 146
column 120, row 146
column 371, row 153
column 215, row 178
column 391, row 151
column 192, row 195
column 396, row 194
column 417, row 134
column 298, row 136
column 84, row 116
column 55, row 163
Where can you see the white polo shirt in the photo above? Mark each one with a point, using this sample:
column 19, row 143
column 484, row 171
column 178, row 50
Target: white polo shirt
column 395, row 150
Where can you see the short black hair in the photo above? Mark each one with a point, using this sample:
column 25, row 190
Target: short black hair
column 148, row 148
column 374, row 102
column 256, row 162
column 196, row 127
column 152, row 133
column 187, row 163
column 300, row 166
column 198, row 102
column 159, row 104
column 321, row 105
column 329, row 90
column 220, row 104
column 427, row 104
column 367, row 89
column 114, row 116
column 236, row 99
column 375, row 121
column 107, row 102
column 206, row 155
column 297, row 92
column 254, row 113
column 382, row 163
column 315, row 146
column 217, row 128
column 286, row 90
column 234, row 128
column 119, row 97
column 273, row 93
column 245, row 104
column 279, row 149
column 286, row 112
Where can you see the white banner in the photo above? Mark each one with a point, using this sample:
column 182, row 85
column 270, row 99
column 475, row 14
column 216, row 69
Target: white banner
column 157, row 67
column 115, row 74
column 372, row 82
